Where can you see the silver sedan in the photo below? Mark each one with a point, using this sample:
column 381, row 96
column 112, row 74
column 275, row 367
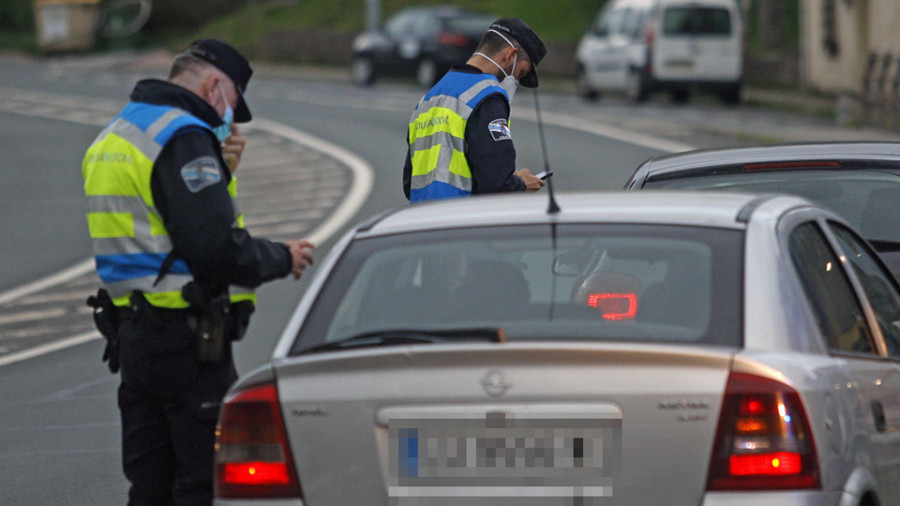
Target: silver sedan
column 634, row 348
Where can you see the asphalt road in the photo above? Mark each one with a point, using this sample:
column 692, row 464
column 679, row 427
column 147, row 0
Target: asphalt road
column 59, row 432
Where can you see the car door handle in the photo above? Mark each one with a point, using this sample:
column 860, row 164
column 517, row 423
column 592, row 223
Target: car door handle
column 878, row 412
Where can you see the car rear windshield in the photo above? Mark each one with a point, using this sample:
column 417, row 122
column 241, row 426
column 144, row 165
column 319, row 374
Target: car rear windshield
column 647, row 283
column 867, row 199
column 690, row 20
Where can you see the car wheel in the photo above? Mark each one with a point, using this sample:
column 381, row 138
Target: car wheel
column 731, row 95
column 636, row 86
column 362, row 72
column 681, row 96
column 426, row 73
column 583, row 88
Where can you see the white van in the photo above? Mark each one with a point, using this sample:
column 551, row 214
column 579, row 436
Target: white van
column 643, row 46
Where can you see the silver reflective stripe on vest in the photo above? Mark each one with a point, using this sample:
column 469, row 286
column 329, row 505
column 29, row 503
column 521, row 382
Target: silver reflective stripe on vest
column 473, row 92
column 419, row 182
column 170, row 283
column 138, row 209
column 442, row 139
column 445, row 101
column 160, row 124
column 137, row 138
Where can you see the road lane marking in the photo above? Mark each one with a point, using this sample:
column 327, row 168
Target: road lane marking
column 51, row 347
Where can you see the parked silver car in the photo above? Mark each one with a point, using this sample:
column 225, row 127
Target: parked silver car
column 858, row 180
column 634, row 348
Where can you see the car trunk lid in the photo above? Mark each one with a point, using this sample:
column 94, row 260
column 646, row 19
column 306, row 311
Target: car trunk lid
column 534, row 423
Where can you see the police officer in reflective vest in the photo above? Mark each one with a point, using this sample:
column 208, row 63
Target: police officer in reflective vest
column 177, row 268
column 460, row 142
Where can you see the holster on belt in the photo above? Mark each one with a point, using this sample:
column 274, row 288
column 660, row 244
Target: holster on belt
column 106, row 319
column 209, row 318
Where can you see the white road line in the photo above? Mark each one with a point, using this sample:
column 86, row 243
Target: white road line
column 555, row 119
column 604, row 130
column 355, row 198
column 359, row 188
column 56, row 279
column 49, row 348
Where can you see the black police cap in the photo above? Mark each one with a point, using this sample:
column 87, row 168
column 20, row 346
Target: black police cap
column 230, row 62
column 529, row 41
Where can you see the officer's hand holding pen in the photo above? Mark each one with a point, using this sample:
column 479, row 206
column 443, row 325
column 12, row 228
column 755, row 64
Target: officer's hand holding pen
column 301, row 255
column 233, row 148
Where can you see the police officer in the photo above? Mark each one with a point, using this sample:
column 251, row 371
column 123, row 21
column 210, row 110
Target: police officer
column 161, row 217
column 460, row 142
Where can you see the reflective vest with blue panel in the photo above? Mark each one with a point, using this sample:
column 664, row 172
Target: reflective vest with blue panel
column 129, row 239
column 437, row 135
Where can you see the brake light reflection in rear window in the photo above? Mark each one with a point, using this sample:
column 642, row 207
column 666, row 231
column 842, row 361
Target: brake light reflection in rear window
column 615, row 306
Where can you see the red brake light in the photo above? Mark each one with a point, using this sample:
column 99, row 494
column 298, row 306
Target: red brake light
column 810, row 164
column 615, row 306
column 452, row 39
column 763, row 441
column 253, row 458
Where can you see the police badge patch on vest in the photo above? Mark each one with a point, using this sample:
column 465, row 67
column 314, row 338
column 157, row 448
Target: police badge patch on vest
column 200, row 173
column 499, row 130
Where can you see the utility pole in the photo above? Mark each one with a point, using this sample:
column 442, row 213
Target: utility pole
column 373, row 14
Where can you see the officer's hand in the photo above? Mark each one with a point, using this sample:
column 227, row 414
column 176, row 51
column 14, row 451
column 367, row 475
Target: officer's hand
column 233, row 148
column 532, row 183
column 300, row 255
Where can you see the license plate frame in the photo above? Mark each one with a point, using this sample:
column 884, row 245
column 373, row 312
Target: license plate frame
column 499, row 455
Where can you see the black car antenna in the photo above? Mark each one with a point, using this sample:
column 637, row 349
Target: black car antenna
column 553, row 207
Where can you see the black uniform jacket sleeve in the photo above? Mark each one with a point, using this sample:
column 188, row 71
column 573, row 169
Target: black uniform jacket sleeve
column 199, row 218
column 491, row 156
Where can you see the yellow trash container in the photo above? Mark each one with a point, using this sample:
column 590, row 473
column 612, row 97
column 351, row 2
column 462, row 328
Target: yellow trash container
column 66, row 25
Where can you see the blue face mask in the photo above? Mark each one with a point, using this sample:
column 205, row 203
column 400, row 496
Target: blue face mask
column 224, row 130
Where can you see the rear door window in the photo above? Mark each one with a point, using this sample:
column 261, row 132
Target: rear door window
column 877, row 283
column 837, row 311
column 696, row 20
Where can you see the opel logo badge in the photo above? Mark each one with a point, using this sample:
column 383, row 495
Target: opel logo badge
column 495, row 384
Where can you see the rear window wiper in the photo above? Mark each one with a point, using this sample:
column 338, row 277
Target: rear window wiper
column 398, row 337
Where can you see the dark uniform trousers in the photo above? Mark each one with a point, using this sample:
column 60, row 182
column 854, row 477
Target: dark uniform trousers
column 169, row 404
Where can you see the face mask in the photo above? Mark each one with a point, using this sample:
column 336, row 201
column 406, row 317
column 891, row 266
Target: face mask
column 510, row 84
column 224, row 130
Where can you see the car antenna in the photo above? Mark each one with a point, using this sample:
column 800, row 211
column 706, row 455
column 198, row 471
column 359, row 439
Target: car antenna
column 553, row 207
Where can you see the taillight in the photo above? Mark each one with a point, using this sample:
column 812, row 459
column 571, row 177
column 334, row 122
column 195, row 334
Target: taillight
column 763, row 441
column 452, row 39
column 253, row 458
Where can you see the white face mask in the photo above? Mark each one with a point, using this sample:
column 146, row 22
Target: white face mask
column 510, row 84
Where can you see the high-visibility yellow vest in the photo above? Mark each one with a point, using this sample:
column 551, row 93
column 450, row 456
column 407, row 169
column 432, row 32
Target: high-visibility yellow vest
column 129, row 239
column 437, row 135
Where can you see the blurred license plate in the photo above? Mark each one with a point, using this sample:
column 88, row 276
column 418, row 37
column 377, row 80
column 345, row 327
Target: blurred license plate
column 499, row 456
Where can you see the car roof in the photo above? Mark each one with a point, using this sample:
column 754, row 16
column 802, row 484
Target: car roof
column 713, row 209
column 776, row 152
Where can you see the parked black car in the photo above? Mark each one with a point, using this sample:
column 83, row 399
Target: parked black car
column 420, row 41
